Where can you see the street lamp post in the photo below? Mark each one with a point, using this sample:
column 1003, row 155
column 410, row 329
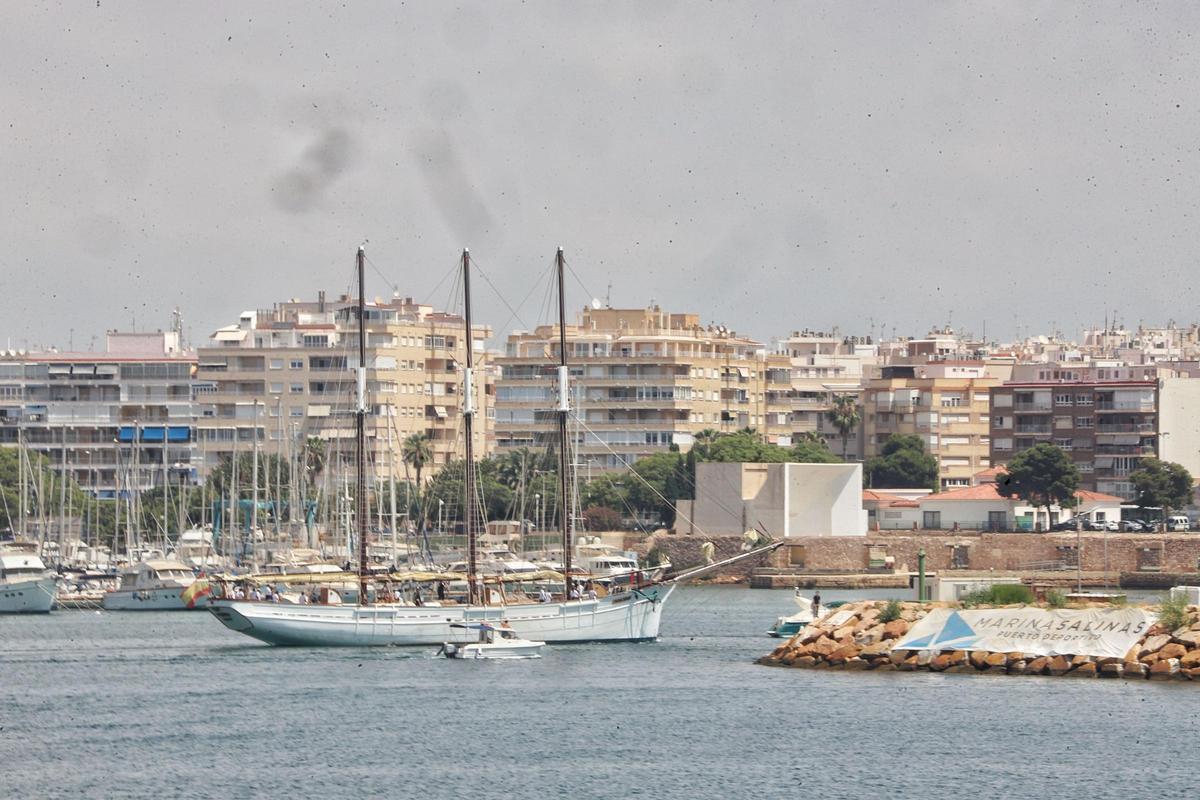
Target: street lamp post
column 441, row 520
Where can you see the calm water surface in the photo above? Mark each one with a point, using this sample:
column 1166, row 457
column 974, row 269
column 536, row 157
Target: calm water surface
column 175, row 705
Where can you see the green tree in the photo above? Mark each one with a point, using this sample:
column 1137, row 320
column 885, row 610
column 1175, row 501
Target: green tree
column 845, row 418
column 703, row 440
column 738, row 447
column 416, row 452
column 314, row 459
column 1162, row 484
column 607, row 490
column 811, row 450
column 1042, row 476
column 902, row 464
column 602, row 518
column 651, row 485
column 43, row 493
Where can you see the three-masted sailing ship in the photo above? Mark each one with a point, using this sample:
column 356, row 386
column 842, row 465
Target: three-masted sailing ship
column 628, row 616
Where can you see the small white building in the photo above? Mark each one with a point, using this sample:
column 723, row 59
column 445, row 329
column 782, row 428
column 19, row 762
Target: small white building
column 980, row 508
column 782, row 499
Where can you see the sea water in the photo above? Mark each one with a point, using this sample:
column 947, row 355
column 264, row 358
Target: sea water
column 161, row 704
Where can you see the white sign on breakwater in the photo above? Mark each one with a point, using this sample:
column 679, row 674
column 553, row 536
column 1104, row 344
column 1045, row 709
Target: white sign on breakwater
column 1034, row 631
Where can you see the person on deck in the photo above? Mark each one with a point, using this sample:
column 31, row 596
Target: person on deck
column 543, row 595
column 816, row 605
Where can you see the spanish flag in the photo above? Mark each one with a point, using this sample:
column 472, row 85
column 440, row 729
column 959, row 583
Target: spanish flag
column 196, row 593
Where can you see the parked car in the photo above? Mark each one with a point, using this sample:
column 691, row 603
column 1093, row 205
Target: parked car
column 1066, row 525
column 1178, row 523
column 1094, row 525
column 1112, row 525
column 1134, row 526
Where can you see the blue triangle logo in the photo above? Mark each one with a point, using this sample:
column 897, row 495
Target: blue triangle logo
column 953, row 629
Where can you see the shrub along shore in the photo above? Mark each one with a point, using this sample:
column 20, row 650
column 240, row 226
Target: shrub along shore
column 866, row 632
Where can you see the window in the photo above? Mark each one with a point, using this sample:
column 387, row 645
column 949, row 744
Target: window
column 1083, row 399
column 276, row 388
column 297, row 388
column 297, row 363
column 1084, row 422
column 931, row 520
column 276, row 363
column 1062, row 399
column 296, row 412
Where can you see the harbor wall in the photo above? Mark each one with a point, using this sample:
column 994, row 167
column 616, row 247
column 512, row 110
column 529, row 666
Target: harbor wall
column 855, row 638
column 978, row 551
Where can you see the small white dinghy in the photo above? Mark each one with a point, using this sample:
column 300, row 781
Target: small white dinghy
column 494, row 642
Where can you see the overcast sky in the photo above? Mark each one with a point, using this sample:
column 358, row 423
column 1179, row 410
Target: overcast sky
column 769, row 166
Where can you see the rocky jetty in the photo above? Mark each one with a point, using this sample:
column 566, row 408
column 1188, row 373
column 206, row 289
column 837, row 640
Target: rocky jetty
column 863, row 640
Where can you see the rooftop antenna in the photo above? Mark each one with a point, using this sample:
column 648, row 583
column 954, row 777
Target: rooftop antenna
column 608, row 296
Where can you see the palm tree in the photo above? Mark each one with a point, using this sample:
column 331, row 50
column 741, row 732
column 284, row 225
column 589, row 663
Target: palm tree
column 314, row 460
column 416, row 453
column 703, row 440
column 845, row 417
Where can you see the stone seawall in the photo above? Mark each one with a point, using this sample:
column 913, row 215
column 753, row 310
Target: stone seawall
column 1002, row 552
column 864, row 642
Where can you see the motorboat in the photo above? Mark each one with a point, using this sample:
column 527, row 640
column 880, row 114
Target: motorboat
column 155, row 585
column 788, row 626
column 608, row 564
column 494, row 642
column 195, row 549
column 26, row 585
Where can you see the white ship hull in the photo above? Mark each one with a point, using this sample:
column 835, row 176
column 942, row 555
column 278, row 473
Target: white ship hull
column 504, row 650
column 167, row 599
column 628, row 617
column 35, row 596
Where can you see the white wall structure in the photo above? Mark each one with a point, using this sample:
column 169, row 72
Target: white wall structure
column 1179, row 422
column 783, row 499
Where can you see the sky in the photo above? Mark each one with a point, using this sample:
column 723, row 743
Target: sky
column 1001, row 167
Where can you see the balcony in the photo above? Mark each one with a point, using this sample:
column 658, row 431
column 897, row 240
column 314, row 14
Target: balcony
column 1144, row 407
column 1035, row 407
column 1127, row 427
column 1036, row 430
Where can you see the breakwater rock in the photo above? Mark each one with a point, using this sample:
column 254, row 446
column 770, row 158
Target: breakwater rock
column 863, row 636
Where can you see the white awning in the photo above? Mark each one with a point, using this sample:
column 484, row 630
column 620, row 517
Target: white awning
column 743, row 372
column 440, row 411
column 229, row 336
column 318, row 411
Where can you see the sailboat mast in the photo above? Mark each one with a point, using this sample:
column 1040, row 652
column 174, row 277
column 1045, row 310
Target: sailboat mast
column 564, row 409
column 360, row 429
column 468, row 412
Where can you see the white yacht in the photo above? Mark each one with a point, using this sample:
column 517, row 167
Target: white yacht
column 155, row 585
column 494, row 642
column 26, row 586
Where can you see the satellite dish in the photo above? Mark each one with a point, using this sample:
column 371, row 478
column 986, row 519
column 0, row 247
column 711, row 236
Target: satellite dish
column 596, row 303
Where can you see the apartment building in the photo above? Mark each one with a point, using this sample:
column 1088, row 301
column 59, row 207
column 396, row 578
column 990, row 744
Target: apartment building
column 287, row 373
column 823, row 366
column 1105, row 417
column 946, row 403
column 642, row 380
column 121, row 420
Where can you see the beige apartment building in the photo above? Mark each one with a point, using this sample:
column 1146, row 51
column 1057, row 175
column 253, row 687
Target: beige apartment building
column 825, row 365
column 288, row 373
column 946, row 403
column 642, row 380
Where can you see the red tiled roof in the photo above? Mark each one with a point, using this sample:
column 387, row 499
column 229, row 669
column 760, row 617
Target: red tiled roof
column 1099, row 497
column 885, row 499
column 986, row 491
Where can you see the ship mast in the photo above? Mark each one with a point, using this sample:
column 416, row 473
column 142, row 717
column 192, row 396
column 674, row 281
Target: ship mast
column 360, row 430
column 564, row 409
column 468, row 412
